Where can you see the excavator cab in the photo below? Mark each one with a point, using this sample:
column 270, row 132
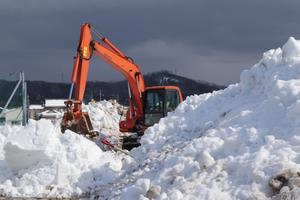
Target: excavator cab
column 159, row 101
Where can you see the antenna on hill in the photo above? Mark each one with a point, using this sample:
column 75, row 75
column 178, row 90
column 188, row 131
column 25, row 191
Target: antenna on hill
column 62, row 77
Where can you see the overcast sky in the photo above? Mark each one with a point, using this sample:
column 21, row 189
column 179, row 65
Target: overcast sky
column 210, row 40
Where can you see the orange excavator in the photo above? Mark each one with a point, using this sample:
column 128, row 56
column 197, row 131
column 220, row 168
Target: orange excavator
column 146, row 104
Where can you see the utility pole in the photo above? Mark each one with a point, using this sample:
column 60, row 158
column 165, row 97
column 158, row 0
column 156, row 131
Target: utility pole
column 24, row 96
column 100, row 94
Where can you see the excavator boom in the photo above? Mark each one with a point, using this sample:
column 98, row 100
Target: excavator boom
column 107, row 51
column 112, row 55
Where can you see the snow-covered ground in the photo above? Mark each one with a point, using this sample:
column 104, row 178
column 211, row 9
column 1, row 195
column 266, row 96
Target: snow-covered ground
column 223, row 145
column 40, row 161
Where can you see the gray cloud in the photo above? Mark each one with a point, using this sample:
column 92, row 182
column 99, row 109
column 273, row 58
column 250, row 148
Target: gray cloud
column 209, row 40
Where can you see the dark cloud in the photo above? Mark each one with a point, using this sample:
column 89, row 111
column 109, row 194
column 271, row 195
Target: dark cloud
column 209, row 40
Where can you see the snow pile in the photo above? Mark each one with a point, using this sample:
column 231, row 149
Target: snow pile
column 105, row 116
column 223, row 145
column 39, row 161
column 226, row 144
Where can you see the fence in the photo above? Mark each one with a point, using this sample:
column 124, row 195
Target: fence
column 13, row 98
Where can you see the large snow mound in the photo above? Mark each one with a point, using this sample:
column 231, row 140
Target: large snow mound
column 226, row 144
column 39, row 161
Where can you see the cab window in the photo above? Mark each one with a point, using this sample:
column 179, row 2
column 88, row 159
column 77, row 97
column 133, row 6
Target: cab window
column 154, row 102
column 172, row 100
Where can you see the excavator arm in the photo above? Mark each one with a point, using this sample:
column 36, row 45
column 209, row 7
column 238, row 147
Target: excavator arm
column 108, row 52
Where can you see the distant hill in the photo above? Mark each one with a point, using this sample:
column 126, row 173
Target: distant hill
column 39, row 90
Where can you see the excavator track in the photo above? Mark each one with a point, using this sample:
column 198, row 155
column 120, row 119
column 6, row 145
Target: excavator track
column 130, row 142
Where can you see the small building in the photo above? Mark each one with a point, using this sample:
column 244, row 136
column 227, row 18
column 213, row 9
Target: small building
column 53, row 109
column 55, row 104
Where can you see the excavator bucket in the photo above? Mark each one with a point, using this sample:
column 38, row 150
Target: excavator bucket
column 77, row 122
column 82, row 126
